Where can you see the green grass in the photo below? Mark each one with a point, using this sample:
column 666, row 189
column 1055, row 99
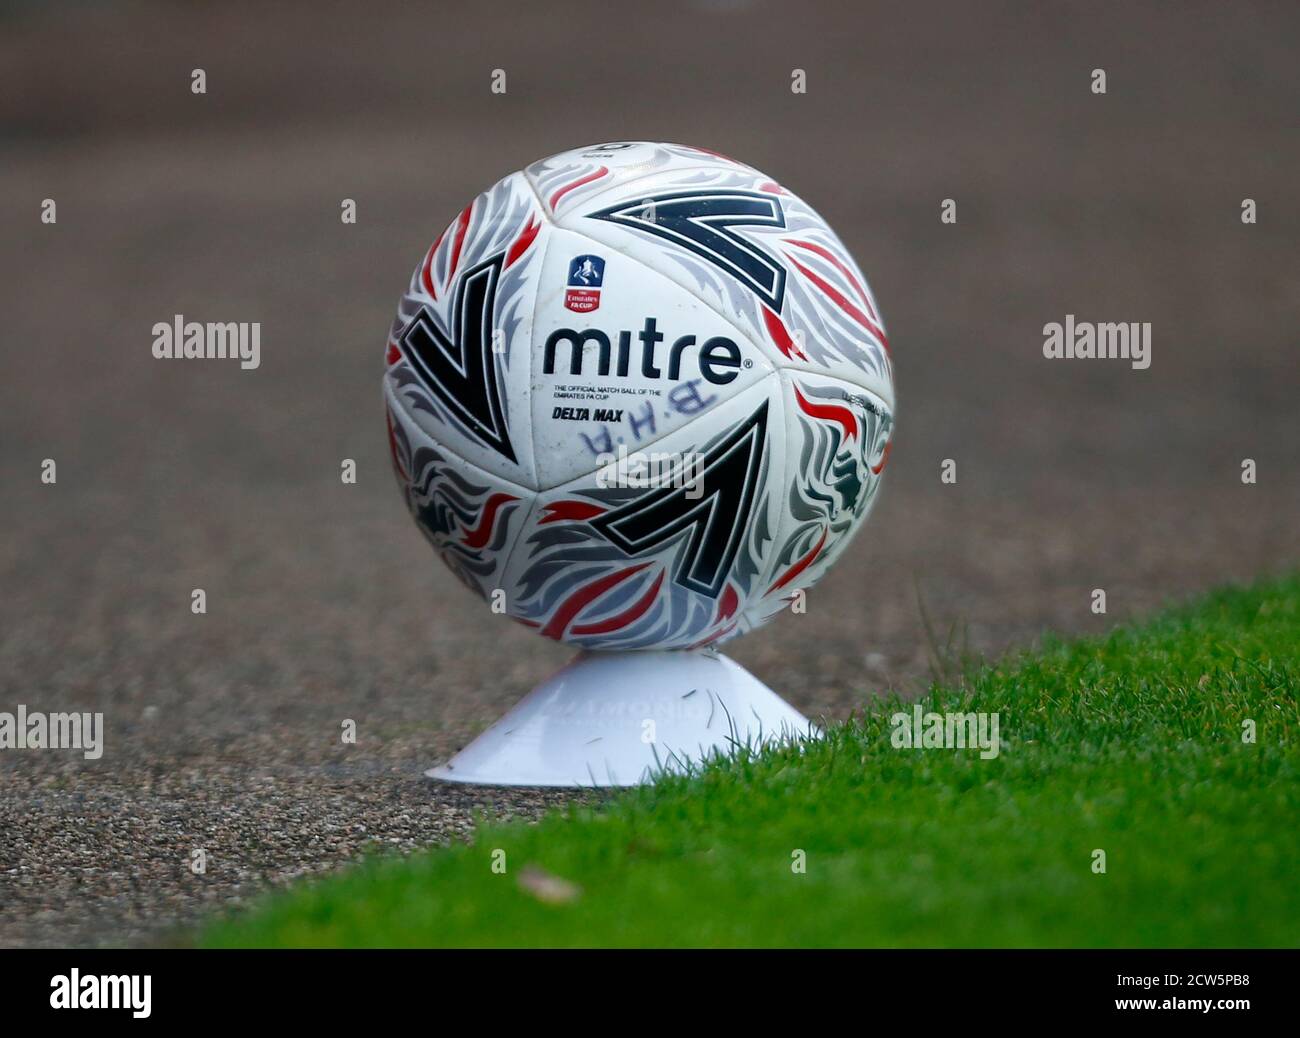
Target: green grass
column 1130, row 743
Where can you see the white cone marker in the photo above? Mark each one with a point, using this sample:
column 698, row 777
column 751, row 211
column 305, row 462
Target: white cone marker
column 621, row 719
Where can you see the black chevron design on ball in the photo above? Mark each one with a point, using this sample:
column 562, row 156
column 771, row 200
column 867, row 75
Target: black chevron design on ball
column 715, row 510
column 701, row 221
column 460, row 370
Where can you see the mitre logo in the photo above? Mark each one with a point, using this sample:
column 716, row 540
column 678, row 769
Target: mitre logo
column 718, row 358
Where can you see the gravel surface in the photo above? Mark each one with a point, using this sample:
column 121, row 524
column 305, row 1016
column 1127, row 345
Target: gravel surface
column 324, row 603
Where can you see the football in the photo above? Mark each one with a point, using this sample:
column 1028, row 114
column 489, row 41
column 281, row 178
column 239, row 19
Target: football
column 639, row 396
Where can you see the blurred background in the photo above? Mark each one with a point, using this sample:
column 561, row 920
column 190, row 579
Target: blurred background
column 324, row 602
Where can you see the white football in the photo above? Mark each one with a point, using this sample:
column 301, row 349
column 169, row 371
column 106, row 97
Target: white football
column 639, row 396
